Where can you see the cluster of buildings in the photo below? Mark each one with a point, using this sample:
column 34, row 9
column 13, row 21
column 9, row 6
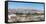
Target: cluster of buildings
column 26, row 11
column 23, row 15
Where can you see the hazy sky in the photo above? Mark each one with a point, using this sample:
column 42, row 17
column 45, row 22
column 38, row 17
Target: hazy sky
column 14, row 5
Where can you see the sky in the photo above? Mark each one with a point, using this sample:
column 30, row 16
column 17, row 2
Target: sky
column 11, row 0
column 14, row 5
